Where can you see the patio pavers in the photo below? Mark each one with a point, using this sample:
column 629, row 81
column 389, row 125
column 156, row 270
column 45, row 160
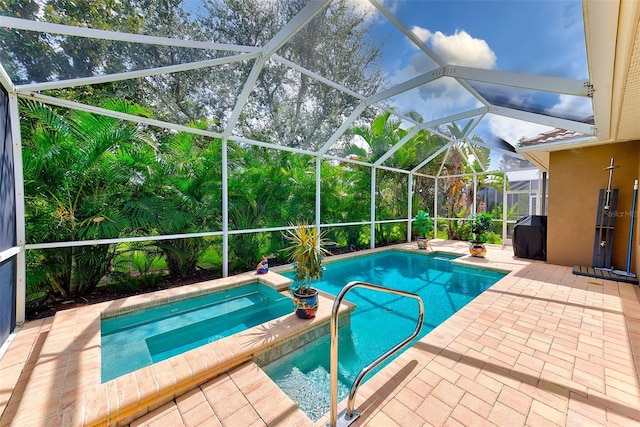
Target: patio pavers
column 540, row 347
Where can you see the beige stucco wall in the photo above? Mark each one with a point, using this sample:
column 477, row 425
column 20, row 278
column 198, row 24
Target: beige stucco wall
column 575, row 177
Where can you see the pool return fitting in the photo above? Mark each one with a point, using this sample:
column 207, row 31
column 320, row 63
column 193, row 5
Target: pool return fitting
column 349, row 415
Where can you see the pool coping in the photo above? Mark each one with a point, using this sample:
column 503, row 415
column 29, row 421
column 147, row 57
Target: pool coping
column 65, row 386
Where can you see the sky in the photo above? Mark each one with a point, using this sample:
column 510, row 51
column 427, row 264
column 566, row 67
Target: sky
column 543, row 37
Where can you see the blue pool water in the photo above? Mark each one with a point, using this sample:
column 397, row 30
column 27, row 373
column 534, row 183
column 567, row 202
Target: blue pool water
column 380, row 320
column 132, row 341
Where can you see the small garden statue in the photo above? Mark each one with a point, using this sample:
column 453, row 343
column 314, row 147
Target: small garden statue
column 263, row 266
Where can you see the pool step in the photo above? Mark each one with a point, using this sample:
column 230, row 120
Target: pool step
column 234, row 316
column 168, row 311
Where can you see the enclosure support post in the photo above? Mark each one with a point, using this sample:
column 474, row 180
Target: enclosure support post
column 435, row 208
column 18, row 176
column 504, row 209
column 543, row 195
column 225, row 210
column 372, row 242
column 475, row 193
column 409, row 206
column 318, row 194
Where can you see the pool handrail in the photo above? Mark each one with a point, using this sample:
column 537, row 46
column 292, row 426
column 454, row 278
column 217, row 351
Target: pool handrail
column 349, row 415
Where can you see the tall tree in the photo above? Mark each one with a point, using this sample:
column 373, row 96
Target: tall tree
column 286, row 106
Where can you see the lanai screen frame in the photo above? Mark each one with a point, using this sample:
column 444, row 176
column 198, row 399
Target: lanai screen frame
column 574, row 87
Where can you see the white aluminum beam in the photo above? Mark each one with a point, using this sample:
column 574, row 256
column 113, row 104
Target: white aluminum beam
column 431, row 54
column 406, row 32
column 396, row 170
column 301, row 19
column 420, row 80
column 398, row 145
column 454, row 117
column 318, row 205
column 444, row 159
column 46, row 27
column 9, row 253
column 435, row 208
column 505, row 200
column 473, row 151
column 285, row 34
column 225, row 209
column 5, row 80
column 345, row 224
column 243, row 97
column 431, row 157
column 525, row 81
column 585, row 128
column 409, row 206
column 115, row 114
column 136, row 74
column 347, row 160
column 78, row 243
column 158, row 123
column 475, row 193
column 18, row 177
column 372, row 232
column 343, row 128
column 458, row 146
column 318, row 77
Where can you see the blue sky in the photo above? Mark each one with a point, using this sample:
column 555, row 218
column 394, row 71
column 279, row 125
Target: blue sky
column 534, row 37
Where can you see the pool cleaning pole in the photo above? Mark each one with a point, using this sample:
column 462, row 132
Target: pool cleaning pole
column 631, row 225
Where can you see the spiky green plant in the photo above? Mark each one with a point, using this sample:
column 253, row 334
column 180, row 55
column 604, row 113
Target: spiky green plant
column 306, row 252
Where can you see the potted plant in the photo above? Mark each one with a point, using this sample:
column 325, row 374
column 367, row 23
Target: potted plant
column 306, row 253
column 423, row 223
column 480, row 225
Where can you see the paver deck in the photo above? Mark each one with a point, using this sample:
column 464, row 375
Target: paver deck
column 540, row 347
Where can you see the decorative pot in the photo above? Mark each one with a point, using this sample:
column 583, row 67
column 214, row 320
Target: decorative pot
column 306, row 304
column 477, row 249
column 423, row 242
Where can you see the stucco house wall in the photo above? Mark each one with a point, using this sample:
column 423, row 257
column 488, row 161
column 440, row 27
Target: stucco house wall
column 575, row 177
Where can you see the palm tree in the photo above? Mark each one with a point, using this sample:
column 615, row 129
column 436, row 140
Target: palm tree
column 187, row 180
column 376, row 139
column 82, row 173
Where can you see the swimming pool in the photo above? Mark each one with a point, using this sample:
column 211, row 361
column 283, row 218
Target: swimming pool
column 134, row 340
column 379, row 321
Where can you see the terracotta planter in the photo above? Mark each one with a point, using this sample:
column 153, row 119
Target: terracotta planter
column 306, row 304
column 477, row 249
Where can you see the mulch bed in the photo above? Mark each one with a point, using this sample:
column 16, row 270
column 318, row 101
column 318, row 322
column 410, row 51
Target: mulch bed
column 109, row 293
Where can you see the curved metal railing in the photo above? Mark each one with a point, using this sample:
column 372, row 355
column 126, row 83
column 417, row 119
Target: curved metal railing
column 349, row 415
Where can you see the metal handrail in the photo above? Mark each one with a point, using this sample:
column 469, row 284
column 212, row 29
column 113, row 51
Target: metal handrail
column 350, row 415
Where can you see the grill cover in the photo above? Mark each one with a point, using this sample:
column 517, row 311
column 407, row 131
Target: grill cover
column 530, row 237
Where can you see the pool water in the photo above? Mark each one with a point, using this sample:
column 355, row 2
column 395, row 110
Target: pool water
column 135, row 340
column 380, row 320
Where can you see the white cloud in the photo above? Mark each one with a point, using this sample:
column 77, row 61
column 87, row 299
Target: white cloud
column 443, row 96
column 576, row 105
column 458, row 49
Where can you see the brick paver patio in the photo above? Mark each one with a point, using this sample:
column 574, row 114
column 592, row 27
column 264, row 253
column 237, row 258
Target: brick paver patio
column 540, row 347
